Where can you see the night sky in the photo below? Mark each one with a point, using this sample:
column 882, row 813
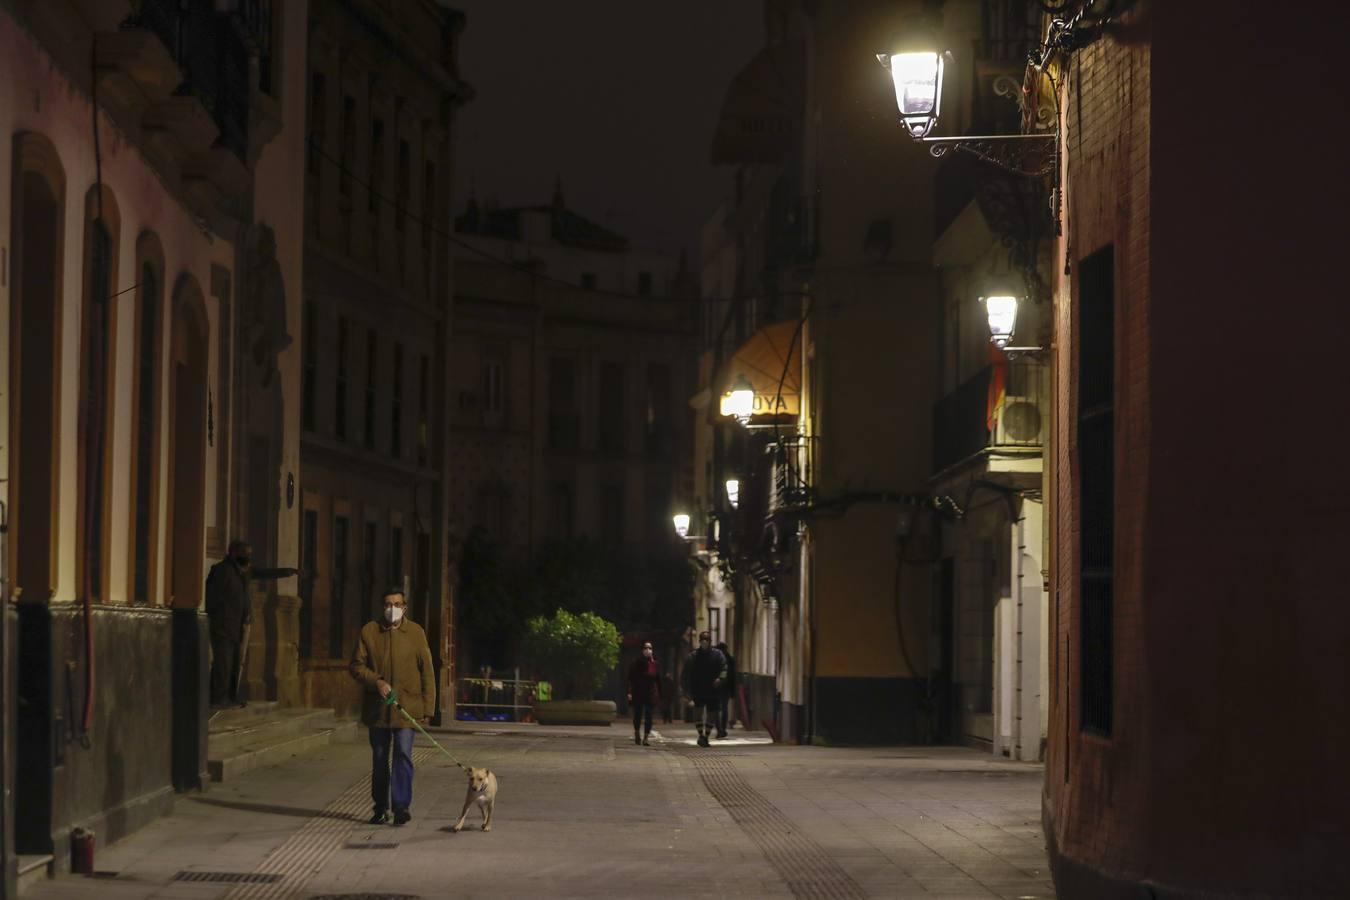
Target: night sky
column 618, row 97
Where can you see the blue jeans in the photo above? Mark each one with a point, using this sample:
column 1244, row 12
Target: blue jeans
column 380, row 782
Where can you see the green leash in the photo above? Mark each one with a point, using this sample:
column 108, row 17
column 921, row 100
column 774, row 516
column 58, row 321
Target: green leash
column 392, row 700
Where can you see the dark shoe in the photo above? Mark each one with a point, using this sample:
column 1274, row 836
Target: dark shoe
column 703, row 740
column 636, row 739
column 721, row 735
column 402, row 817
column 379, row 818
column 646, row 742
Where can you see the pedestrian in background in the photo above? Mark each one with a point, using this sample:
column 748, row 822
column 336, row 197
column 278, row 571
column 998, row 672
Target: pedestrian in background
column 704, row 674
column 392, row 655
column 728, row 690
column 644, row 692
column 230, row 613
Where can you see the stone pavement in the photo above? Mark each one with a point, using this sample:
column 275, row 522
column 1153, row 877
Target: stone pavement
column 585, row 813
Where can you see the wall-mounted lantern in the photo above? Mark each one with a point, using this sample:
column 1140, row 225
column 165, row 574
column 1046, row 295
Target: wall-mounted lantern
column 681, row 521
column 1002, row 312
column 918, row 88
column 739, row 402
column 734, row 492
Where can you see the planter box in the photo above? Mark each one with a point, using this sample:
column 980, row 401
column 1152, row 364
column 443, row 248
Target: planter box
column 575, row 712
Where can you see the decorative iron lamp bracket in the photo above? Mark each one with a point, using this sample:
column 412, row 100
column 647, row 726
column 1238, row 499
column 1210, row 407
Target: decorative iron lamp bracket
column 1029, row 155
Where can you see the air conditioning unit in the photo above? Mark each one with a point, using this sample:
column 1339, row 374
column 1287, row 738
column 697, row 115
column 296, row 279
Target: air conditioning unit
column 1019, row 423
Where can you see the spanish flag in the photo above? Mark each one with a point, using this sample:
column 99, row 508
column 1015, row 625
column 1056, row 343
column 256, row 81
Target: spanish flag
column 998, row 386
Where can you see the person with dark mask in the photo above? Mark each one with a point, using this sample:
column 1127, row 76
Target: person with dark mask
column 704, row 674
column 644, row 693
column 230, row 611
column 728, row 690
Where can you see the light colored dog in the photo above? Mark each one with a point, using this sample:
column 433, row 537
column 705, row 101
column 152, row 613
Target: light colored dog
column 483, row 791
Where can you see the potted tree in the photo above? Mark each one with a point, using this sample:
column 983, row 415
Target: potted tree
column 574, row 653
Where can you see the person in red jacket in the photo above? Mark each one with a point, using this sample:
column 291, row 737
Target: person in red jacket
column 644, row 693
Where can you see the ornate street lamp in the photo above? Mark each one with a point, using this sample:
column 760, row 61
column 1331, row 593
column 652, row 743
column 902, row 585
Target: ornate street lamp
column 1002, row 312
column 681, row 521
column 739, row 402
column 918, row 97
column 918, row 88
column 734, row 492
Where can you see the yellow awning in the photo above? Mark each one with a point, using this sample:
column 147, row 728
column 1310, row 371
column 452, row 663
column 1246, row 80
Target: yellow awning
column 771, row 360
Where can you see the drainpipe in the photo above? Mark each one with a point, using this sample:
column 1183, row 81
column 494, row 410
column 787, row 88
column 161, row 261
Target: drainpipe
column 1019, row 547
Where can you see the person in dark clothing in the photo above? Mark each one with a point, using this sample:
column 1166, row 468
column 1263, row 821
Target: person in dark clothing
column 704, row 674
column 644, row 692
column 728, row 690
column 230, row 611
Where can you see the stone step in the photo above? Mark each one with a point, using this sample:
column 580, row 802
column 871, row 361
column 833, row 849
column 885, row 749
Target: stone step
column 254, row 710
column 33, row 870
column 276, row 749
column 234, row 733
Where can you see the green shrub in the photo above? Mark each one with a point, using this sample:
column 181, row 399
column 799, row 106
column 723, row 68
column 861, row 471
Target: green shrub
column 574, row 652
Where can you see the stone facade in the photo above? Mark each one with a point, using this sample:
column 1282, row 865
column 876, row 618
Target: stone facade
column 375, row 468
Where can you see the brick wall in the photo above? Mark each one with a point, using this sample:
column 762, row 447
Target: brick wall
column 1220, row 773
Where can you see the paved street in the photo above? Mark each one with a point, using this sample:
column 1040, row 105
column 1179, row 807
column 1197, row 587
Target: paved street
column 585, row 813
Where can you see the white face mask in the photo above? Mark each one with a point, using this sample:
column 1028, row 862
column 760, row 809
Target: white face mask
column 393, row 614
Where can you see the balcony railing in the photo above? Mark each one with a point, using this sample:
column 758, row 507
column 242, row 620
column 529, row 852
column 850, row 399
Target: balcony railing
column 212, row 49
column 1002, row 406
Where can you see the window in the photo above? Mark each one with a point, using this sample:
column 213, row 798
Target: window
column 396, row 406
column 337, row 607
column 316, row 123
column 609, row 410
column 562, row 511
column 309, row 330
column 376, row 168
column 588, row 280
column 611, row 514
column 396, row 556
column 659, row 531
column 644, row 284
column 340, row 393
column 660, row 439
column 368, row 570
column 494, row 402
column 309, row 553
column 147, row 347
column 428, row 216
column 93, row 406
column 492, row 500
column 348, row 146
column 422, row 586
column 563, row 422
column 368, row 419
column 424, row 411
column 404, row 188
column 1096, row 461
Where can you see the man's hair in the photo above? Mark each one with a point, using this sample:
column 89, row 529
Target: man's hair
column 722, row 645
column 237, row 544
column 705, row 634
column 392, row 590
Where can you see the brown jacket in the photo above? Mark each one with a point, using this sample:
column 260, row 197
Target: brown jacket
column 401, row 657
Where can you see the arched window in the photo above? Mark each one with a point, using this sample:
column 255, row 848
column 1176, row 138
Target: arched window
column 34, row 351
column 145, row 418
column 95, row 397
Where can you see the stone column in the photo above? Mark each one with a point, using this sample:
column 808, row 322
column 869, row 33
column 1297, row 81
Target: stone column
column 283, row 672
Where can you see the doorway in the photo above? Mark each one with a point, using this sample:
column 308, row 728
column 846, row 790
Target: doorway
column 187, row 400
column 946, row 725
column 38, row 191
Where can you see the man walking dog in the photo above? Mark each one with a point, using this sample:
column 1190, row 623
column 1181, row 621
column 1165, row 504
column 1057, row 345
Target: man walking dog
column 393, row 655
column 704, row 673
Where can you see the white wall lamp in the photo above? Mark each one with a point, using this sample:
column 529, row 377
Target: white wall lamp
column 734, row 492
column 1001, row 310
column 739, row 402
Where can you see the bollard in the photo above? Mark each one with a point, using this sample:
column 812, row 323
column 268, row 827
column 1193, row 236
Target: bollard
column 82, row 851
